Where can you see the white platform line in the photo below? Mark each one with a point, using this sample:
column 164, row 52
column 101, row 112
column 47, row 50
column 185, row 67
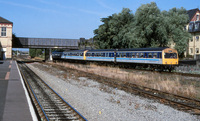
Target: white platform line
column 34, row 117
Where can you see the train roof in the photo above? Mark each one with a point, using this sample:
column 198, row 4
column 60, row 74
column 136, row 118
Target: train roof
column 101, row 50
column 144, row 49
column 132, row 49
column 74, row 51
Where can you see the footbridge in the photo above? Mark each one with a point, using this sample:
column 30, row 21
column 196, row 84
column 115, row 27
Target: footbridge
column 45, row 43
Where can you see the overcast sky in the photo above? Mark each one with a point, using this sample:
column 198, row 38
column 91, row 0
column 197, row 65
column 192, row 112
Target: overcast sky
column 71, row 19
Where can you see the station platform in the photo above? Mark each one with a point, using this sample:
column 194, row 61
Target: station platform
column 14, row 102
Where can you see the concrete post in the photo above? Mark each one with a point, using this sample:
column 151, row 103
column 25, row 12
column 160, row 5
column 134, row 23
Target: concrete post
column 46, row 54
column 50, row 55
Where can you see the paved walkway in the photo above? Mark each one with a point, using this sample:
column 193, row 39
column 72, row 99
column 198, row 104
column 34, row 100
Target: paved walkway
column 13, row 101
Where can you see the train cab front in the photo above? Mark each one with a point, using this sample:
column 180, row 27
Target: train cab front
column 170, row 58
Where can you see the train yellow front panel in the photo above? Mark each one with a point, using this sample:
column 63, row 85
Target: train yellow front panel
column 170, row 61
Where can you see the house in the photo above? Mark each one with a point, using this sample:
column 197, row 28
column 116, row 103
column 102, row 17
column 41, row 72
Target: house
column 194, row 28
column 5, row 39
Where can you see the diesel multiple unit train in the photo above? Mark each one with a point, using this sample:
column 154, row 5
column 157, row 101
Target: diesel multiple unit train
column 155, row 58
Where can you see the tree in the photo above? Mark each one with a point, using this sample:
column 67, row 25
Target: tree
column 111, row 34
column 149, row 30
column 177, row 19
column 32, row 53
column 35, row 52
column 149, row 27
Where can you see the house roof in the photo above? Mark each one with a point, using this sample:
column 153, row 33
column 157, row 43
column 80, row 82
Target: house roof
column 3, row 20
column 192, row 12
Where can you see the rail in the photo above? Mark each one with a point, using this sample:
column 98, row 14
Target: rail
column 49, row 104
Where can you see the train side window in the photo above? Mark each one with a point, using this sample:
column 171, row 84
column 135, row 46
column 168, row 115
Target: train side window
column 155, row 55
column 112, row 54
column 133, row 55
column 124, row 55
column 117, row 54
column 150, row 55
column 137, row 55
column 141, row 55
column 129, row 55
column 120, row 54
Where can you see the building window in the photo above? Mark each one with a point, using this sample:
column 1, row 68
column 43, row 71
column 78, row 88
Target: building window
column 196, row 26
column 3, row 31
column 197, row 50
column 197, row 18
column 191, row 40
column 197, row 38
column 191, row 50
column 191, row 26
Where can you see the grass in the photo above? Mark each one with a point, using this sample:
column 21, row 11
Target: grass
column 168, row 83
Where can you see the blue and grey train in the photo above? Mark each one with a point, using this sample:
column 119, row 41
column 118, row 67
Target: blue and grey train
column 163, row 57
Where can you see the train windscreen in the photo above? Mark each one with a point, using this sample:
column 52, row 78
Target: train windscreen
column 170, row 55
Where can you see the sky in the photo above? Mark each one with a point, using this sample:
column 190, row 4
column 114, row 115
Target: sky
column 71, row 19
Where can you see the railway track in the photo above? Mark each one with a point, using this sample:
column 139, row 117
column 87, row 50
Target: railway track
column 49, row 105
column 179, row 102
column 185, row 104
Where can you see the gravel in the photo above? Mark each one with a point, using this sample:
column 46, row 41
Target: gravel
column 99, row 102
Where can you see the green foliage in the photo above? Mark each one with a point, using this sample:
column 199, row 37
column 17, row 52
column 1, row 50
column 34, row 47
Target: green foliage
column 35, row 52
column 113, row 33
column 32, row 53
column 177, row 19
column 148, row 27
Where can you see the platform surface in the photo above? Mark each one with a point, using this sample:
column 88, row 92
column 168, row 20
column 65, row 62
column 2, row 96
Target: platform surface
column 13, row 101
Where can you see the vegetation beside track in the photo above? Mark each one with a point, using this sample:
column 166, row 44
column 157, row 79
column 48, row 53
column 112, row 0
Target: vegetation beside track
column 176, row 84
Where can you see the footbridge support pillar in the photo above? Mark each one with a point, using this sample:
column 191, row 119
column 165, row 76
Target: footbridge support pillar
column 48, row 54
